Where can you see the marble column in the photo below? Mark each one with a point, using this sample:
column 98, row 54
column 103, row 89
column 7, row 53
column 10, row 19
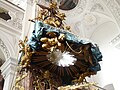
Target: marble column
column 8, row 71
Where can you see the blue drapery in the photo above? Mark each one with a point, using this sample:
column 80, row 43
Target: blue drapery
column 41, row 29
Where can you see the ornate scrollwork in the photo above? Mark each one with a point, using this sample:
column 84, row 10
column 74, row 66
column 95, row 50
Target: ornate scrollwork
column 3, row 46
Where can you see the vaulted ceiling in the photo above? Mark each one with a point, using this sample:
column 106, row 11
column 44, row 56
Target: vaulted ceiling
column 96, row 20
column 91, row 19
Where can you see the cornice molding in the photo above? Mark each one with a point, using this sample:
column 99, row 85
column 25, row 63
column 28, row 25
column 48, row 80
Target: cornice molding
column 15, row 13
column 8, row 27
column 10, row 5
column 116, row 41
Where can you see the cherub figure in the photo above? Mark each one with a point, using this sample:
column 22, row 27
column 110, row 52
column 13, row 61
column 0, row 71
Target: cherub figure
column 25, row 49
column 53, row 42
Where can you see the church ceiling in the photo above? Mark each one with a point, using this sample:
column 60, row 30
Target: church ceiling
column 87, row 15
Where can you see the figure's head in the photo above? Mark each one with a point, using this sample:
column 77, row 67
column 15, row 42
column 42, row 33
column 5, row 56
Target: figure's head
column 53, row 5
column 46, row 74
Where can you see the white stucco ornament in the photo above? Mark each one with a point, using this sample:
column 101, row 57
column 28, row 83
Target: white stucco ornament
column 90, row 19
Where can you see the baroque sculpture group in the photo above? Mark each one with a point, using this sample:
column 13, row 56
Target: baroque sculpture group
column 54, row 58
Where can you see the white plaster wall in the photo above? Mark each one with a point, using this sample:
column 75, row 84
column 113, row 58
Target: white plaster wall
column 110, row 65
column 10, row 32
